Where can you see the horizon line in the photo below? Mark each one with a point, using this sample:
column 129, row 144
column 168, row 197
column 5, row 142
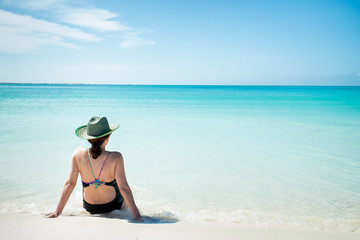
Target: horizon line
column 119, row 84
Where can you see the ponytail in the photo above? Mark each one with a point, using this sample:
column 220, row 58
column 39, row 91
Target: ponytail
column 95, row 149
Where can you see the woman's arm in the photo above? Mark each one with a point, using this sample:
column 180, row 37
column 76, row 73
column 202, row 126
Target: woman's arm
column 124, row 187
column 68, row 188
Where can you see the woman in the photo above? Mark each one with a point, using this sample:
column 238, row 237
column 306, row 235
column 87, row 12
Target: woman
column 105, row 187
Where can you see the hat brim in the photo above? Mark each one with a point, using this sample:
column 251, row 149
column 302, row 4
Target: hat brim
column 81, row 132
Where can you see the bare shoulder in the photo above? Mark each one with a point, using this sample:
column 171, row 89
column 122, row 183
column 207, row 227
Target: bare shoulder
column 117, row 155
column 80, row 151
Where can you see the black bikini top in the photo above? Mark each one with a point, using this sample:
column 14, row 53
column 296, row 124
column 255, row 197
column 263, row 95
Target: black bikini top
column 112, row 183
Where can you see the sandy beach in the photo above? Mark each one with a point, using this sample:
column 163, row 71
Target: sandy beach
column 26, row 226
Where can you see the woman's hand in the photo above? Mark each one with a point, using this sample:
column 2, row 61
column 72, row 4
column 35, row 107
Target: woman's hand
column 51, row 215
column 144, row 219
column 139, row 219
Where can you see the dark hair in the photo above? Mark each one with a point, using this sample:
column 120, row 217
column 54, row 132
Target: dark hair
column 95, row 149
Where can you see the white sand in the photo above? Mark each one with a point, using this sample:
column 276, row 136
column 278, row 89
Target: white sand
column 25, row 226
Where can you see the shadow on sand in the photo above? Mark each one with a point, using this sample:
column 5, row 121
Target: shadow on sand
column 164, row 218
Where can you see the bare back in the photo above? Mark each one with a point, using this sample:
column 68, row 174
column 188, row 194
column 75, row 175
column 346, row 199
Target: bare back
column 103, row 194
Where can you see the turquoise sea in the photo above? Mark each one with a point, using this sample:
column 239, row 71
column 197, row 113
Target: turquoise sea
column 254, row 155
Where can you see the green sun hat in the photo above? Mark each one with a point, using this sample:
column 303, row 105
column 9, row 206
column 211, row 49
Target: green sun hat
column 97, row 127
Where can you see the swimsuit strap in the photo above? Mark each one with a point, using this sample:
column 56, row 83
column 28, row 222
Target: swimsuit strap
column 103, row 164
column 96, row 182
column 87, row 153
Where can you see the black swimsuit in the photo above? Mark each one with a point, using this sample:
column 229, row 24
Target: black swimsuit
column 106, row 207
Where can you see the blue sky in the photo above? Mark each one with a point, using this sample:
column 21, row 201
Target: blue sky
column 180, row 42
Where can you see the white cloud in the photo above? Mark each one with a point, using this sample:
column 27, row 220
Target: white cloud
column 33, row 4
column 95, row 18
column 17, row 41
column 132, row 41
column 33, row 25
column 22, row 33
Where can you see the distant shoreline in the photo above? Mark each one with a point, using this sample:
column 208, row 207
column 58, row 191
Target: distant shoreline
column 170, row 85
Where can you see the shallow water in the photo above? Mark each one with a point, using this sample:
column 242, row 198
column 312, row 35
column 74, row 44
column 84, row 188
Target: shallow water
column 259, row 155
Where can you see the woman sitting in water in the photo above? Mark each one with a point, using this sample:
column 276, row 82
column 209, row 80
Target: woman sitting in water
column 105, row 187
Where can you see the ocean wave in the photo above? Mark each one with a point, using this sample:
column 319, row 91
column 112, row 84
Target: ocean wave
column 171, row 211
